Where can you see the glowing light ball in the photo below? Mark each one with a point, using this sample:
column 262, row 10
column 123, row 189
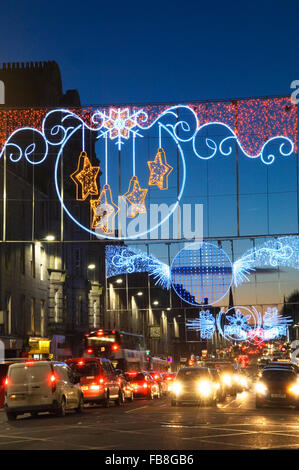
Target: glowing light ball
column 201, row 274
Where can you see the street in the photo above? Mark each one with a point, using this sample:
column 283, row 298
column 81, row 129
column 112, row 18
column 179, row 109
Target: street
column 155, row 425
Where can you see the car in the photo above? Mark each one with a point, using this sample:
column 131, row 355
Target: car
column 143, row 385
column 277, row 386
column 98, row 380
column 168, row 378
column 158, row 377
column 127, row 389
column 37, row 386
column 194, row 385
column 219, row 385
column 282, row 365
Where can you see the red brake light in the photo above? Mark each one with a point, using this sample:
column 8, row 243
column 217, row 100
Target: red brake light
column 29, row 363
column 101, row 380
column 113, row 332
column 89, row 351
column 6, row 382
column 80, row 363
column 115, row 347
column 53, row 382
column 156, row 376
column 145, row 385
column 100, row 333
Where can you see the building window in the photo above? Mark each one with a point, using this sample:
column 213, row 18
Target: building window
column 32, row 259
column 32, row 315
column 56, row 306
column 22, row 258
column 94, row 313
column 8, row 315
column 42, row 318
column 42, row 264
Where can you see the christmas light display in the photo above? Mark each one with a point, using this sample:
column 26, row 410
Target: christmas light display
column 205, row 324
column 261, row 128
column 86, row 176
column 241, row 324
column 159, row 170
column 104, row 211
column 135, row 197
column 283, row 251
column 201, row 273
column 122, row 260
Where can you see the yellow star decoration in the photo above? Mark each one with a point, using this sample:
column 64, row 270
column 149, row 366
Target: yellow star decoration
column 104, row 211
column 86, row 176
column 159, row 170
column 135, row 197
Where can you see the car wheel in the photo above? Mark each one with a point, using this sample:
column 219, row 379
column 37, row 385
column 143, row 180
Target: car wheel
column 80, row 406
column 62, row 407
column 173, row 403
column 11, row 416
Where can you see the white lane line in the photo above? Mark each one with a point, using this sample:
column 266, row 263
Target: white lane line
column 24, row 438
column 213, row 436
column 136, row 409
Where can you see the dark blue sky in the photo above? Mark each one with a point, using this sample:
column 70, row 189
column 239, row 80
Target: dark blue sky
column 119, row 52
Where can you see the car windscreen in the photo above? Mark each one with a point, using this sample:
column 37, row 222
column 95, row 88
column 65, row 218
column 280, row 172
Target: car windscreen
column 88, row 369
column 18, row 375
column 192, row 374
column 134, row 378
column 279, row 375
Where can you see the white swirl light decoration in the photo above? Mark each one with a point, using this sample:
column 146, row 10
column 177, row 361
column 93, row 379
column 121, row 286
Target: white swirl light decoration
column 286, row 146
column 283, row 251
column 11, row 148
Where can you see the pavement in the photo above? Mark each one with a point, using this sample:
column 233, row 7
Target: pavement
column 155, row 425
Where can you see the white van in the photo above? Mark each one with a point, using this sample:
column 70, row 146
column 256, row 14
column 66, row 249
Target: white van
column 36, row 386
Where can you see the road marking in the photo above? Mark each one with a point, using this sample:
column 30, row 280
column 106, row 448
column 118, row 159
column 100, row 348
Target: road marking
column 136, row 409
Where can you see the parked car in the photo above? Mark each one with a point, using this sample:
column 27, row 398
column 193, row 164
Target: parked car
column 36, row 386
column 143, row 385
column 279, row 386
column 98, row 380
column 194, row 385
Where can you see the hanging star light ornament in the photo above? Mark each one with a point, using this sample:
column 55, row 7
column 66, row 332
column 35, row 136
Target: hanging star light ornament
column 159, row 170
column 86, row 176
column 104, row 211
column 135, row 197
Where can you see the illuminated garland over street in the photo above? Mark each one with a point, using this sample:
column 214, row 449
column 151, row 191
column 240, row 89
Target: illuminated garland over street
column 210, row 128
column 241, row 324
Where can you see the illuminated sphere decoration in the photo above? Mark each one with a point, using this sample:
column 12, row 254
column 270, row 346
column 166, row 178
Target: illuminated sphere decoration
column 201, row 274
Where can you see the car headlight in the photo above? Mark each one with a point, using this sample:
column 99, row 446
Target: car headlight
column 243, row 382
column 237, row 379
column 294, row 389
column 177, row 388
column 261, row 388
column 226, row 379
column 204, row 388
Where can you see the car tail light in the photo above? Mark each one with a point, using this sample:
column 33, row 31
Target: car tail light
column 156, row 377
column 101, row 380
column 115, row 347
column 29, row 363
column 53, row 382
column 80, row 363
column 145, row 385
column 89, row 351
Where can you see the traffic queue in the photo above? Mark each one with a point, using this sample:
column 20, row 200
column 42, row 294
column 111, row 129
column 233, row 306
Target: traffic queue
column 35, row 386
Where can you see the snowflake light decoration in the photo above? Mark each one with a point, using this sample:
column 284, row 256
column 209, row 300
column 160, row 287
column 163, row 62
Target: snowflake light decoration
column 119, row 123
column 205, row 324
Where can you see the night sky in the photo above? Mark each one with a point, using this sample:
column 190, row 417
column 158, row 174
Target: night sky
column 174, row 51
column 158, row 51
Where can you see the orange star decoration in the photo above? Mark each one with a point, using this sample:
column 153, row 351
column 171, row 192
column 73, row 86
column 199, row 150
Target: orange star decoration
column 135, row 197
column 104, row 211
column 159, row 170
column 86, row 175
